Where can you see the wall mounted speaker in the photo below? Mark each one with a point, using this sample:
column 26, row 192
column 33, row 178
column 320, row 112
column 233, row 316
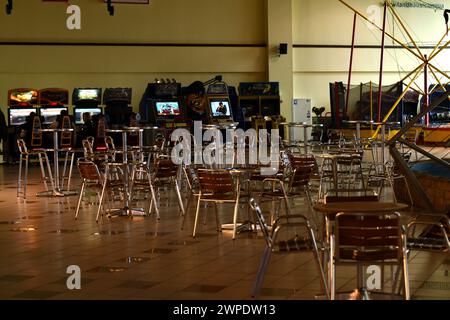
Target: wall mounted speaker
column 9, row 6
column 283, row 48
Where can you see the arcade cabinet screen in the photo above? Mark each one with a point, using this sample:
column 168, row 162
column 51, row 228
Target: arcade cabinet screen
column 19, row 116
column 78, row 113
column 19, row 97
column 89, row 94
column 50, row 114
column 168, row 109
column 220, row 108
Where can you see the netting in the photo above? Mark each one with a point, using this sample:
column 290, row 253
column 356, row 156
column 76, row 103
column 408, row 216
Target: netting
column 363, row 102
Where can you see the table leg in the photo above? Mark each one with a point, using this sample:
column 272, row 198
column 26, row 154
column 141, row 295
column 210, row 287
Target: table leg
column 126, row 171
column 56, row 160
column 305, row 138
column 358, row 132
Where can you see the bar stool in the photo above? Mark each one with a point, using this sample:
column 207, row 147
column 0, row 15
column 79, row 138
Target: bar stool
column 289, row 234
column 92, row 178
column 66, row 146
column 141, row 181
column 24, row 158
column 165, row 173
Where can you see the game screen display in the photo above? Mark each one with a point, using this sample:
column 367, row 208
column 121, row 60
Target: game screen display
column 220, row 108
column 19, row 116
column 50, row 114
column 88, row 94
column 23, row 97
column 168, row 109
column 78, row 113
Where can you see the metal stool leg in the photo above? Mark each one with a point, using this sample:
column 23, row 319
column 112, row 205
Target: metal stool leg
column 261, row 272
column 63, row 176
column 70, row 171
column 26, row 177
column 43, row 175
column 196, row 215
column 80, row 198
column 49, row 172
column 19, row 178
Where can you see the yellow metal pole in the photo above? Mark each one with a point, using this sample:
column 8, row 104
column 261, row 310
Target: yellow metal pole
column 418, row 90
column 379, row 28
column 371, row 104
column 409, row 74
column 439, row 51
column 438, row 81
column 394, row 106
column 439, row 43
column 391, row 8
column 439, row 71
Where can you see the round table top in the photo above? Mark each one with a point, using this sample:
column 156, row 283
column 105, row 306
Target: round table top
column 358, row 121
column 300, row 124
column 385, row 123
column 151, row 128
column 360, row 207
column 249, row 169
column 333, row 155
column 221, row 126
column 133, row 129
column 57, row 130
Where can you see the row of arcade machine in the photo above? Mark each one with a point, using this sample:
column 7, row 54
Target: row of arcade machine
column 49, row 103
column 171, row 106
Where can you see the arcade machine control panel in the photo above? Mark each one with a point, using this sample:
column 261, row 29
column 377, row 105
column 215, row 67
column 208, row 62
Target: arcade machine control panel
column 162, row 105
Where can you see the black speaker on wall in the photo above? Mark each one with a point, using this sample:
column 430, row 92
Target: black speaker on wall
column 9, row 6
column 283, row 48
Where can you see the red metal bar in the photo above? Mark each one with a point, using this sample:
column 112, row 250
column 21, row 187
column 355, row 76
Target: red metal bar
column 338, row 112
column 426, row 96
column 380, row 82
column 351, row 64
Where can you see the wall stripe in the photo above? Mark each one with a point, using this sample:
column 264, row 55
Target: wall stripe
column 343, row 46
column 116, row 44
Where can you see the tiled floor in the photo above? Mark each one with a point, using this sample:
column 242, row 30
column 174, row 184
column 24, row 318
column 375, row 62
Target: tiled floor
column 143, row 258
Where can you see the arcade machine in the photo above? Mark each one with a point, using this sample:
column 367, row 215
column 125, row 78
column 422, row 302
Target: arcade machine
column 260, row 105
column 117, row 107
column 86, row 100
column 218, row 106
column 52, row 101
column 21, row 103
column 118, row 111
column 162, row 106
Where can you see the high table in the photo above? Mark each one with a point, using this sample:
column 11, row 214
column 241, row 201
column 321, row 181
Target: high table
column 330, row 209
column 334, row 163
column 148, row 128
column 126, row 209
column 56, row 192
column 358, row 126
column 305, row 127
column 383, row 137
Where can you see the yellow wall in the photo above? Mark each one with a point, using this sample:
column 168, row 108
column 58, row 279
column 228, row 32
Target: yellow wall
column 328, row 22
column 280, row 66
column 163, row 21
